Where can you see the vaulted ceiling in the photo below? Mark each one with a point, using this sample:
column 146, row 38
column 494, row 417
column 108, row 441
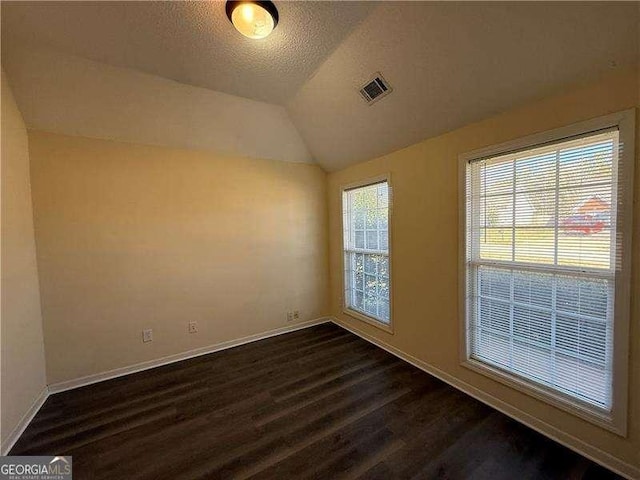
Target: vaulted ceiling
column 189, row 42
column 449, row 63
column 452, row 64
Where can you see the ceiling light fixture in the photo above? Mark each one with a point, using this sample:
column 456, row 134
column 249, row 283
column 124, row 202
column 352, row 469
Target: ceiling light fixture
column 253, row 19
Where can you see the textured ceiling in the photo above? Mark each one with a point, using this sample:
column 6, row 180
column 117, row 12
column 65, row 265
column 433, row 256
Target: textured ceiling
column 71, row 95
column 452, row 64
column 189, row 42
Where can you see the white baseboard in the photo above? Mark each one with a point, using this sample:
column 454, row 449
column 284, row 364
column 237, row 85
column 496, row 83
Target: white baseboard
column 597, row 455
column 24, row 422
column 8, row 443
column 593, row 453
column 138, row 367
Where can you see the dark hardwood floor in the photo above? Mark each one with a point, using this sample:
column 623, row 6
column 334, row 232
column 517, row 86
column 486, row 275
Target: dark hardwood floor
column 318, row 403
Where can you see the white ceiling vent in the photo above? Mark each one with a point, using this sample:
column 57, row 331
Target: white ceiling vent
column 375, row 89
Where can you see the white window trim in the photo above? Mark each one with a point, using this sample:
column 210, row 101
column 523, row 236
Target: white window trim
column 616, row 420
column 386, row 177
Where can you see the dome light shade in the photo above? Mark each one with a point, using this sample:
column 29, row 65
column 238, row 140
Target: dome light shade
column 253, row 19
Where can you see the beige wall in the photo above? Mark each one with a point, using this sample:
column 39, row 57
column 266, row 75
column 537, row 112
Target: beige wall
column 425, row 257
column 132, row 237
column 22, row 358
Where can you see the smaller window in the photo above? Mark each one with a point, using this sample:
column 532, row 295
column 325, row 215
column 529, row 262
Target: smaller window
column 366, row 252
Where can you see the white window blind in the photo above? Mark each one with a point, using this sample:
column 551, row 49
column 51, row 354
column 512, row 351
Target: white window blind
column 542, row 252
column 366, row 250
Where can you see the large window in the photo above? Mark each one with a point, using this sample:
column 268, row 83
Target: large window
column 366, row 252
column 546, row 281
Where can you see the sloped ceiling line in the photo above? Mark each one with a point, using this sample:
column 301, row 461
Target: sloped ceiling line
column 450, row 64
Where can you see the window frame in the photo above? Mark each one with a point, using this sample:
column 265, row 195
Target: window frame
column 386, row 177
column 616, row 419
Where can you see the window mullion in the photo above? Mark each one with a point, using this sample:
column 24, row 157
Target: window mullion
column 542, row 268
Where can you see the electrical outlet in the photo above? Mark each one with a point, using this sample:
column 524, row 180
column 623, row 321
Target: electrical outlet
column 289, row 316
column 147, row 335
column 193, row 327
column 296, row 315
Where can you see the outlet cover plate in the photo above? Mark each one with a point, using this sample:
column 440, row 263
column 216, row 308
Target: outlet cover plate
column 147, row 335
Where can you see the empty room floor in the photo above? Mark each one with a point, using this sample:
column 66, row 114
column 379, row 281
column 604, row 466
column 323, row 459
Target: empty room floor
column 315, row 403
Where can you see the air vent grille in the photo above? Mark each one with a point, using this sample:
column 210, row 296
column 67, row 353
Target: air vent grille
column 375, row 89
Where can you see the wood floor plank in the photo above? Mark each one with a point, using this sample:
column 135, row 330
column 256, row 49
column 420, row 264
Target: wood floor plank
column 317, row 403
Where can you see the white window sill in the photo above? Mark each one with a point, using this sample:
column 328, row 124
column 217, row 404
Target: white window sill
column 370, row 320
column 564, row 402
